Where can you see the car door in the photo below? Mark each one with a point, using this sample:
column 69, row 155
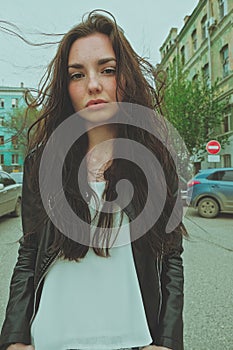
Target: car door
column 223, row 188
column 8, row 195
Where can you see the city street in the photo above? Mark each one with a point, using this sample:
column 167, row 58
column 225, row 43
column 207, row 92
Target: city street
column 208, row 282
column 208, row 278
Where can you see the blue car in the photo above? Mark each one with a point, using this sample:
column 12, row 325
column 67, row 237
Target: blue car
column 211, row 192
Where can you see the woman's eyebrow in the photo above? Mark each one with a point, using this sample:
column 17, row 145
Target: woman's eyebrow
column 100, row 62
column 106, row 60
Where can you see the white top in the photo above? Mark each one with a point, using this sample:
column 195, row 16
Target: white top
column 93, row 304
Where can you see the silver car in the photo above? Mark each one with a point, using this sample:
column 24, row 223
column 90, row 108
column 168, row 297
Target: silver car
column 17, row 176
column 10, row 195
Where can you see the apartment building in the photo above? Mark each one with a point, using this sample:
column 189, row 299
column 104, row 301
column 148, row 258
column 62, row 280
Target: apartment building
column 205, row 44
column 11, row 98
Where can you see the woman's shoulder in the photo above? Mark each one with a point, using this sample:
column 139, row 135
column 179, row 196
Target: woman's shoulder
column 34, row 153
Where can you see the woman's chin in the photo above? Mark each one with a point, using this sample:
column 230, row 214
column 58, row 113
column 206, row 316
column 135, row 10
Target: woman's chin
column 99, row 113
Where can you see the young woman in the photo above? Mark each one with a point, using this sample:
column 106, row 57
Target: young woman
column 65, row 293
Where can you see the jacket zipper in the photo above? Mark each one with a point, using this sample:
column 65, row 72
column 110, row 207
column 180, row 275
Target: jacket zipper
column 159, row 271
column 50, row 262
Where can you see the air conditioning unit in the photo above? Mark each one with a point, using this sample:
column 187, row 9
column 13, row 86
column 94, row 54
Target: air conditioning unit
column 211, row 22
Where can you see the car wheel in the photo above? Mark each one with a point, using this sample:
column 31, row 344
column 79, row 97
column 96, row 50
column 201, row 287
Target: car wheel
column 17, row 211
column 208, row 208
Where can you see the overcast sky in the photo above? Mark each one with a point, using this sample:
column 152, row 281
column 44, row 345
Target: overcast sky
column 146, row 24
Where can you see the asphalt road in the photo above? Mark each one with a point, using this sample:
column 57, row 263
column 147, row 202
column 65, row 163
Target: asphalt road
column 10, row 232
column 208, row 311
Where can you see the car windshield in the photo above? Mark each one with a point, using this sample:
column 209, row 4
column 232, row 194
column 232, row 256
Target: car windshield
column 18, row 177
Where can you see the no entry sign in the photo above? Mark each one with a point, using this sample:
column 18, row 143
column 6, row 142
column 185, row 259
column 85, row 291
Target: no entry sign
column 213, row 147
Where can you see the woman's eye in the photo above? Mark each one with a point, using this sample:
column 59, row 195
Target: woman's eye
column 76, row 76
column 109, row 71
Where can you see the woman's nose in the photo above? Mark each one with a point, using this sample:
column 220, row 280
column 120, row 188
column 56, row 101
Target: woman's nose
column 94, row 85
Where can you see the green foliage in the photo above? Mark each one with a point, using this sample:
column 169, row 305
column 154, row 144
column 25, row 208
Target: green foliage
column 194, row 108
column 18, row 124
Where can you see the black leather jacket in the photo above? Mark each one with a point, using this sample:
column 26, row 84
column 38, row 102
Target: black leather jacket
column 161, row 281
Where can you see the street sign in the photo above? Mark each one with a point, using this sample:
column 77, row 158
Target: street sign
column 213, row 147
column 213, row 158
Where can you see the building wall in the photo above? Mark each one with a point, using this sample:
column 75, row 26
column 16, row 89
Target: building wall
column 205, row 34
column 11, row 98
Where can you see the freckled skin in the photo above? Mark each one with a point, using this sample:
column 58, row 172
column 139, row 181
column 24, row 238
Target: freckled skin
column 91, row 80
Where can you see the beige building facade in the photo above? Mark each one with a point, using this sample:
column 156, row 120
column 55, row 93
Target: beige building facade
column 205, row 44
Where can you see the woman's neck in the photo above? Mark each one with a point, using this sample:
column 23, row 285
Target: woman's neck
column 100, row 134
column 100, row 151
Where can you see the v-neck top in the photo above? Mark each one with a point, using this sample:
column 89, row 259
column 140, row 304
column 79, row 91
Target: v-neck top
column 94, row 304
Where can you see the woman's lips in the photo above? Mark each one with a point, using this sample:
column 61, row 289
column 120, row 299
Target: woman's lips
column 96, row 104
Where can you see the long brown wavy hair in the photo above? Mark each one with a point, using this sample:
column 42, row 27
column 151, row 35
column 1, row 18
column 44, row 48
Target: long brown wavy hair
column 142, row 86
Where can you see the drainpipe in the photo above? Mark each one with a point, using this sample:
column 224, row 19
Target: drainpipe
column 208, row 39
column 177, row 55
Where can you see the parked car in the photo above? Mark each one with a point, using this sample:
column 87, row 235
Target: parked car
column 17, row 176
column 183, row 190
column 10, row 195
column 211, row 192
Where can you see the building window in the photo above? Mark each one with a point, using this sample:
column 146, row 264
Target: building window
column 15, row 159
column 1, row 121
column 182, row 52
column 14, row 103
column 174, row 62
column 206, row 73
column 14, row 141
column 195, row 78
column 194, row 40
column 204, row 27
column 1, row 140
column 2, row 102
column 225, row 60
column 197, row 167
column 227, row 161
column 1, row 158
column 226, row 123
column 222, row 8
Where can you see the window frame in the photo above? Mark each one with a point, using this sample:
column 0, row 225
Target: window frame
column 204, row 27
column 2, row 103
column 227, row 160
column 182, row 54
column 194, row 40
column 2, row 121
column 14, row 155
column 223, row 8
column 226, row 124
column 2, row 159
column 16, row 102
column 206, row 73
column 225, row 60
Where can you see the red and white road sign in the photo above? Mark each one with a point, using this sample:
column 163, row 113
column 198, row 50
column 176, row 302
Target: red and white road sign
column 213, row 147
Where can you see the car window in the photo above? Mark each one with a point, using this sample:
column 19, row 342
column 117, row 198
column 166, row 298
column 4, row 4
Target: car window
column 6, row 180
column 18, row 177
column 222, row 175
column 227, row 175
column 215, row 176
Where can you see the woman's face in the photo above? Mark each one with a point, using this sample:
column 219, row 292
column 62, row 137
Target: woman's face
column 92, row 77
